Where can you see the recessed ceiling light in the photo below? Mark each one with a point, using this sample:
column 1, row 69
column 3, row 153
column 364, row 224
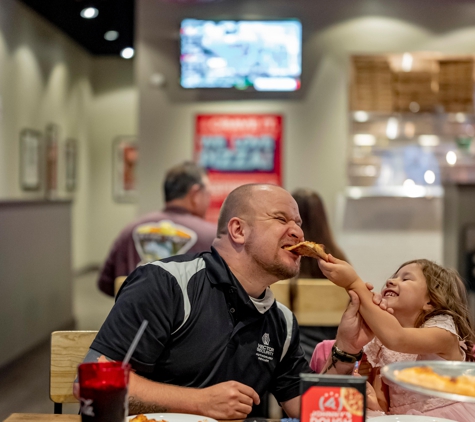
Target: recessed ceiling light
column 429, row 177
column 361, row 116
column 89, row 13
column 364, row 139
column 111, row 35
column 127, row 53
column 451, row 158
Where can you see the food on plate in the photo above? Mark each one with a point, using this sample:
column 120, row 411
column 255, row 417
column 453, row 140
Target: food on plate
column 143, row 418
column 352, row 400
column 311, row 249
column 424, row 376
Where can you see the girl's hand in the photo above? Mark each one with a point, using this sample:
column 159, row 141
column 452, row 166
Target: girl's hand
column 337, row 271
column 371, row 398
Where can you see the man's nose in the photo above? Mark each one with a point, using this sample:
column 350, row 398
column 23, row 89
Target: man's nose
column 297, row 232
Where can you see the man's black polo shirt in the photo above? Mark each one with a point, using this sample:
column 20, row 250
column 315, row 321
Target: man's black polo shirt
column 203, row 328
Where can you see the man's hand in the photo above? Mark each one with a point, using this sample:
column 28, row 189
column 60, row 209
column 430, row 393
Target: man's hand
column 338, row 271
column 353, row 333
column 228, row 400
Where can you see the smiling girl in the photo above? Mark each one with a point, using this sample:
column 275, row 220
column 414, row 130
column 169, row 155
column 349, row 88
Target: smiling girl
column 430, row 322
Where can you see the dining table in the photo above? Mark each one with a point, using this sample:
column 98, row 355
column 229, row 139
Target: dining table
column 50, row 417
column 42, row 417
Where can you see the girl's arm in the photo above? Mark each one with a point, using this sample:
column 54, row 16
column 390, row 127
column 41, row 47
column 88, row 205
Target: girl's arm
column 384, row 325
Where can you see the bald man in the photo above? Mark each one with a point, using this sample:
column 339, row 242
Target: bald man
column 217, row 340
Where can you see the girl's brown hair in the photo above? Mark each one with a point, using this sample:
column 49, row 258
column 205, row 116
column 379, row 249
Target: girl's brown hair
column 448, row 296
column 316, row 229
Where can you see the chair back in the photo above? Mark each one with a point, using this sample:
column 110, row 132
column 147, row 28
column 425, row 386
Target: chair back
column 68, row 349
column 118, row 283
column 281, row 291
column 319, row 302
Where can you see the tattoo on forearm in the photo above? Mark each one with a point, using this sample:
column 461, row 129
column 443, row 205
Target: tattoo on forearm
column 332, row 365
column 137, row 407
column 94, row 356
column 348, row 371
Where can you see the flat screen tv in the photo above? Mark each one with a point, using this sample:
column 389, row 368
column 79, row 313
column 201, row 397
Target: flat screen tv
column 264, row 55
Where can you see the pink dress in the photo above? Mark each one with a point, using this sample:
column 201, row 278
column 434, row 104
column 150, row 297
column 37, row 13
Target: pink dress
column 405, row 402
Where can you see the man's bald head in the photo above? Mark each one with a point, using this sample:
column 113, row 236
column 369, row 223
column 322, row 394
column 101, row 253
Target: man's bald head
column 237, row 204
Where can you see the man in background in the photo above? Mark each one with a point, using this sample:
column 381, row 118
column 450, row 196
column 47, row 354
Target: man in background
column 179, row 228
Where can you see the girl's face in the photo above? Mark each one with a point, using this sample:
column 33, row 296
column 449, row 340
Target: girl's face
column 406, row 292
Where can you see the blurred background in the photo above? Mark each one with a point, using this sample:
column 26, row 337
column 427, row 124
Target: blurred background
column 99, row 98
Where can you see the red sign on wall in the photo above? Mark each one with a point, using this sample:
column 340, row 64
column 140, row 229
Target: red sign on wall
column 237, row 149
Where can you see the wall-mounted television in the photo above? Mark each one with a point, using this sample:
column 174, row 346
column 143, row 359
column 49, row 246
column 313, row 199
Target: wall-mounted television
column 264, row 55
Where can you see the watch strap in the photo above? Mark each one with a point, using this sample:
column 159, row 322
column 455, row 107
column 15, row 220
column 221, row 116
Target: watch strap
column 343, row 356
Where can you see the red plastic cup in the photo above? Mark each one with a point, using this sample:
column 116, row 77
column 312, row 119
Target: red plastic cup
column 103, row 391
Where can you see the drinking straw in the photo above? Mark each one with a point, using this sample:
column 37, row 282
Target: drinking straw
column 134, row 343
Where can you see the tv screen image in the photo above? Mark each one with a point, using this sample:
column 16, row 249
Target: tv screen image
column 265, row 55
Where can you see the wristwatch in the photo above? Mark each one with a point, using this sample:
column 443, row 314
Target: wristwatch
column 342, row 356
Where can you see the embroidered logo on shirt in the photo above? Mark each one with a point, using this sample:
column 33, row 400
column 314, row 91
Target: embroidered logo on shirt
column 264, row 351
column 266, row 339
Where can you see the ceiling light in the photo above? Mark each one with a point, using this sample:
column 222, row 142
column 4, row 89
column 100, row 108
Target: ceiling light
column 414, row 107
column 460, row 117
column 406, row 62
column 409, row 183
column 409, row 129
column 428, row 140
column 111, row 35
column 392, row 128
column 127, row 53
column 451, row 158
column 429, row 177
column 361, row 116
column 364, row 139
column 89, row 13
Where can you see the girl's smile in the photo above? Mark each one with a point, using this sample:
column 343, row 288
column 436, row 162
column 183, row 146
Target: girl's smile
column 406, row 292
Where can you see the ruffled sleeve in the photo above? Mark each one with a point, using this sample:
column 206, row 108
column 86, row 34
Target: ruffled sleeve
column 442, row 321
column 446, row 322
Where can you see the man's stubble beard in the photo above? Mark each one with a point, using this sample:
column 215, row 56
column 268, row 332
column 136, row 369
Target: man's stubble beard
column 275, row 268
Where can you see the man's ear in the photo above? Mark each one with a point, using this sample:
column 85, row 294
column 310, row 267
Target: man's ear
column 192, row 193
column 237, row 229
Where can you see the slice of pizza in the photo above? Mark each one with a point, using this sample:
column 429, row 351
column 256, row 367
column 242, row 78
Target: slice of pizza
column 311, row 249
column 425, row 377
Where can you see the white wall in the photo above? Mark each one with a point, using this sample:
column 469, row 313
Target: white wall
column 113, row 113
column 45, row 78
column 315, row 121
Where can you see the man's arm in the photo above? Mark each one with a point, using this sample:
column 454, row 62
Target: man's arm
column 353, row 334
column 292, row 407
column 227, row 400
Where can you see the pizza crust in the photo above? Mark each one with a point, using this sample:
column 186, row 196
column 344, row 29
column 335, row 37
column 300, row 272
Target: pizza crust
column 311, row 249
column 424, row 376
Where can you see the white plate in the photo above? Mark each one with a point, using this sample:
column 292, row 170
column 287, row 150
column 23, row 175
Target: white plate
column 442, row 367
column 408, row 418
column 176, row 417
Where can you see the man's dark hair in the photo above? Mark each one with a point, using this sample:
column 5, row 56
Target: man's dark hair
column 180, row 179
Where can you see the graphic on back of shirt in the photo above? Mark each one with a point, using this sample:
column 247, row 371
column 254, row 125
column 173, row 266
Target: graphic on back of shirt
column 155, row 241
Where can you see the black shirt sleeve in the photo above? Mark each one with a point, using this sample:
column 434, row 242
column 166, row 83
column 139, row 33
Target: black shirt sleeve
column 150, row 293
column 286, row 382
